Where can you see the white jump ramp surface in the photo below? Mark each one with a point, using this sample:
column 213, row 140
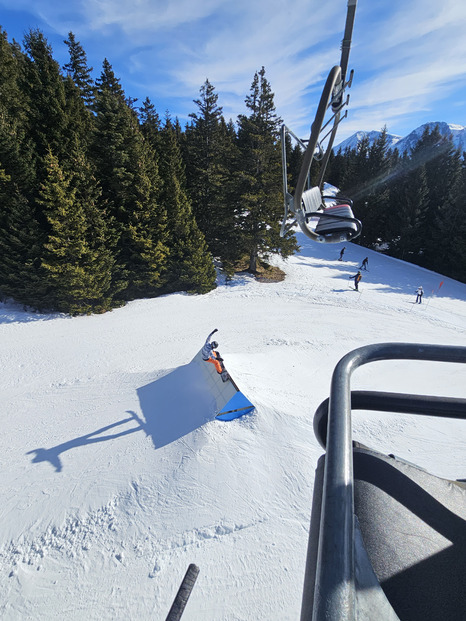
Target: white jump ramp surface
column 230, row 402
column 186, row 398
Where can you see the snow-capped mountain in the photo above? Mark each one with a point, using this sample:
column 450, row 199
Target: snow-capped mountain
column 353, row 141
column 406, row 143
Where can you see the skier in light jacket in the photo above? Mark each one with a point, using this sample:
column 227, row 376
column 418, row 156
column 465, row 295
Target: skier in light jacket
column 208, row 353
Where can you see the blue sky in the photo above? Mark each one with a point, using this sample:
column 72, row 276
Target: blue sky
column 409, row 56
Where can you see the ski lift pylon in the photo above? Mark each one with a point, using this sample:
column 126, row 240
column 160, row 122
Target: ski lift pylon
column 320, row 220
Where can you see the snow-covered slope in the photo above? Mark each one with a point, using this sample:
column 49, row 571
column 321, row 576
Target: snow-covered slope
column 106, row 499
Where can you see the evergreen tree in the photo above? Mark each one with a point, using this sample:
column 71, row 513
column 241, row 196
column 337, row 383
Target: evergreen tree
column 80, row 120
column 79, row 123
column 457, row 258
column 409, row 212
column 15, row 149
column 190, row 266
column 360, row 168
column 227, row 244
column 347, row 174
column 150, row 124
column 260, row 176
column 99, row 260
column 203, row 165
column 130, row 183
column 12, row 63
column 436, row 153
column 374, row 193
column 294, row 158
column 365, row 175
column 79, row 71
column 45, row 99
column 79, row 275
column 447, row 252
column 12, row 110
column 21, row 274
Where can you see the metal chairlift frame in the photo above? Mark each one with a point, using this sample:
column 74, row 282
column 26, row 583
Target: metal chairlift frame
column 333, row 596
column 332, row 98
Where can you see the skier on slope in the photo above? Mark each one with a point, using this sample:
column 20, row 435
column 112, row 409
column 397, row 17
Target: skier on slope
column 419, row 294
column 364, row 263
column 342, row 252
column 357, row 277
column 210, row 355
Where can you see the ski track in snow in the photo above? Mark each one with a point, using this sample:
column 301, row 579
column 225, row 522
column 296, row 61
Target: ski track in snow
column 100, row 518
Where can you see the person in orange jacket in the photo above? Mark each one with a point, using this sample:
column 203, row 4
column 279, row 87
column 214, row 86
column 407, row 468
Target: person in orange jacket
column 357, row 277
column 210, row 355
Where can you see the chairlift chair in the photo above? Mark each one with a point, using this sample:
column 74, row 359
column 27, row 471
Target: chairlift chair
column 317, row 220
column 334, row 223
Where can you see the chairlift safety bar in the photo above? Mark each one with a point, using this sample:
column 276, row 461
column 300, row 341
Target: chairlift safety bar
column 335, row 572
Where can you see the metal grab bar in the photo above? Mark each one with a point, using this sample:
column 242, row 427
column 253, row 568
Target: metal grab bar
column 427, row 405
column 334, row 592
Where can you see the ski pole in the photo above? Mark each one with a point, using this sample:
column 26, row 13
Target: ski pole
column 183, row 594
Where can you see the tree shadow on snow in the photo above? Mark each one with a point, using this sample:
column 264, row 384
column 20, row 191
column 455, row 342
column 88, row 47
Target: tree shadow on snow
column 172, row 405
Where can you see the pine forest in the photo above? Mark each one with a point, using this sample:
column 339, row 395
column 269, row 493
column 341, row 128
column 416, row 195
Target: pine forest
column 102, row 201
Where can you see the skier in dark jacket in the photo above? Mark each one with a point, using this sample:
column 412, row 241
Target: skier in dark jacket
column 357, row 277
column 342, row 252
column 364, row 264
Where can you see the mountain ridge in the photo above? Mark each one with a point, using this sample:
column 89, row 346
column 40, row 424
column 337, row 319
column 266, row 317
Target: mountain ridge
column 405, row 143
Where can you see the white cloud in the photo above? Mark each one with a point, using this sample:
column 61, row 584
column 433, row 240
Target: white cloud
column 141, row 16
column 407, row 56
column 414, row 65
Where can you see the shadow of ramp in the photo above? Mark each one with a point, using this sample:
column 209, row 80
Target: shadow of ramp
column 176, row 404
column 187, row 398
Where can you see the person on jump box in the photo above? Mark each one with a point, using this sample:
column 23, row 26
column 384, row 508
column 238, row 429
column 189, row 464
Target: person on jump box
column 210, row 355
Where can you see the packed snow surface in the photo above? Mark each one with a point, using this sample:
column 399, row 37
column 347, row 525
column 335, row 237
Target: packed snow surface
column 106, row 498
